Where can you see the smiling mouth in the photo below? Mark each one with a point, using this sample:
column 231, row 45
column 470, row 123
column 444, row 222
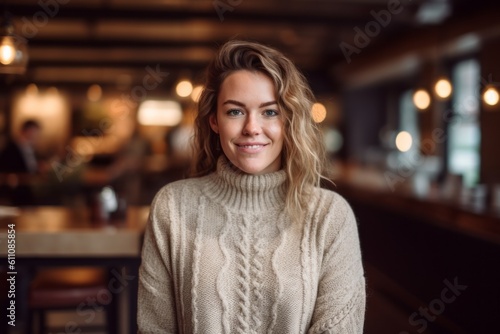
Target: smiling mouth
column 251, row 146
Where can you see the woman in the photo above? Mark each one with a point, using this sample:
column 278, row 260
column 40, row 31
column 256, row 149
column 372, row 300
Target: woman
column 252, row 244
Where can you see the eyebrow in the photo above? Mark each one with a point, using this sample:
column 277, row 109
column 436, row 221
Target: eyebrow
column 265, row 104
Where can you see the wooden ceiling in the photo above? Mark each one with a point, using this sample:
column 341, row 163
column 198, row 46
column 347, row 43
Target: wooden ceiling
column 80, row 42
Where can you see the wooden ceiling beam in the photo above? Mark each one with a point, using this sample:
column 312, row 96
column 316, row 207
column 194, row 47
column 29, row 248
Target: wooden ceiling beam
column 342, row 17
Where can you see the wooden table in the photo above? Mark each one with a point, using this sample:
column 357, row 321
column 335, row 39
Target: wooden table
column 60, row 236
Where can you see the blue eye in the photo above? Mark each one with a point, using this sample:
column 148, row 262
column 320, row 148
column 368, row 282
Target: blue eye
column 234, row 112
column 271, row 112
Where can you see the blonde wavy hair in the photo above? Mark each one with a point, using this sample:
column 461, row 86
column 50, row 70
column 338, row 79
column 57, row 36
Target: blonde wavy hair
column 303, row 157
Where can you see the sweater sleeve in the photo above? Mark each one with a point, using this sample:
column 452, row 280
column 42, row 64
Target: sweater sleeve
column 156, row 300
column 340, row 303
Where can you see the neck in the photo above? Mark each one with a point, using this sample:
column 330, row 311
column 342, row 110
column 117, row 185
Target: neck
column 245, row 192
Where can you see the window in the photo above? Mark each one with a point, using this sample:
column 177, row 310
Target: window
column 408, row 119
column 464, row 130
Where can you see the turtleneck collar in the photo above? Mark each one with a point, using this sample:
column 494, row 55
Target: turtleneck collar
column 239, row 191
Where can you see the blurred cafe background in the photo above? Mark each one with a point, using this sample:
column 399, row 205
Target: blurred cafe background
column 100, row 97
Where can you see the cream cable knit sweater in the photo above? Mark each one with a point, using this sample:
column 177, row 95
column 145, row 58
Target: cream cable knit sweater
column 220, row 256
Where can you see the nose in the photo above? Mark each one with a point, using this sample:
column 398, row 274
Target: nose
column 252, row 126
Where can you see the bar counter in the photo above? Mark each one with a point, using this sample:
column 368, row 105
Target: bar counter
column 481, row 223
column 414, row 247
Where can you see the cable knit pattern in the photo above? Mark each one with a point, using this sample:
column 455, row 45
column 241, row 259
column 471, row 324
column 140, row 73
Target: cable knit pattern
column 220, row 279
column 305, row 258
column 257, row 275
column 221, row 256
column 196, row 272
column 243, row 277
column 278, row 289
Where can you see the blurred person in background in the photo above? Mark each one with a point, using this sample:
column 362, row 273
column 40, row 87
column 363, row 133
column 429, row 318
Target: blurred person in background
column 252, row 244
column 19, row 165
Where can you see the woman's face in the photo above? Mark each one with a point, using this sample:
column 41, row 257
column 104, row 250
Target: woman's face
column 249, row 123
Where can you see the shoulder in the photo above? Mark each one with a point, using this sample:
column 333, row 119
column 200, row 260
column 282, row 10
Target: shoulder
column 175, row 195
column 331, row 211
column 325, row 200
column 181, row 186
column 177, row 189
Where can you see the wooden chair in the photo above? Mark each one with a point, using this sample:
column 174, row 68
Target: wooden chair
column 82, row 289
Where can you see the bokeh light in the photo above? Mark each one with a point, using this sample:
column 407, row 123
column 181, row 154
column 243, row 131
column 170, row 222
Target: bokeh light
column 94, row 93
column 195, row 95
column 404, row 141
column 490, row 96
column 318, row 112
column 421, row 99
column 443, row 88
column 184, row 88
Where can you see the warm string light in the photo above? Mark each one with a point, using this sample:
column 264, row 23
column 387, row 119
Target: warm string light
column 421, row 99
column 443, row 88
column 7, row 51
column 13, row 49
column 404, row 141
column 491, row 96
column 184, row 88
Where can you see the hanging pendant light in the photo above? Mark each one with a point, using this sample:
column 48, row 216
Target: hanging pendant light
column 443, row 88
column 491, row 96
column 421, row 99
column 13, row 49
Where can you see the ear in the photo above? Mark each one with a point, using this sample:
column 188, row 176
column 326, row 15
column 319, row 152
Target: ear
column 213, row 123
